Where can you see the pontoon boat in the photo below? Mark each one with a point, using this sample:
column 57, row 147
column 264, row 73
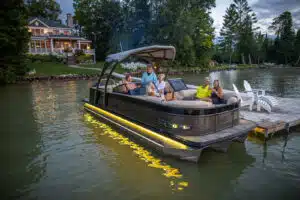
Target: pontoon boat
column 181, row 128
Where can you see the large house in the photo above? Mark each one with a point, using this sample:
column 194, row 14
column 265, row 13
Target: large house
column 48, row 36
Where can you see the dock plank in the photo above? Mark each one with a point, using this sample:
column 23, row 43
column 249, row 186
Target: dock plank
column 283, row 116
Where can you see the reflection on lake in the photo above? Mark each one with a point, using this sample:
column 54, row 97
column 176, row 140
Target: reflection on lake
column 51, row 149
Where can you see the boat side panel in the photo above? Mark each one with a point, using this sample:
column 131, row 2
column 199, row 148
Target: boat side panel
column 179, row 124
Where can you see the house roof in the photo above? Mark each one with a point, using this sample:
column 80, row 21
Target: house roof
column 47, row 22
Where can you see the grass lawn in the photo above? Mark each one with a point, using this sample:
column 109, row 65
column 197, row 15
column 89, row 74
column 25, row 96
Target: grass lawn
column 97, row 65
column 101, row 64
column 52, row 69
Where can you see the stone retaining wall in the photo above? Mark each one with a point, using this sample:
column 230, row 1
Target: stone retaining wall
column 59, row 77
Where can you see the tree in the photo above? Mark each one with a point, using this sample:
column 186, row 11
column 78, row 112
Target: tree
column 136, row 20
column 14, row 40
column 245, row 29
column 238, row 32
column 264, row 49
column 99, row 21
column 283, row 27
column 48, row 9
column 297, row 47
column 186, row 24
column 228, row 32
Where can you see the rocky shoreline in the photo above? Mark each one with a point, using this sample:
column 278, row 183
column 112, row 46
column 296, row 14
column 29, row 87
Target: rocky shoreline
column 171, row 72
column 67, row 77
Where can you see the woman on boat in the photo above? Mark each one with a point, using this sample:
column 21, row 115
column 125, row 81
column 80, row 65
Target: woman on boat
column 130, row 87
column 204, row 91
column 149, row 76
column 161, row 84
column 217, row 95
column 151, row 90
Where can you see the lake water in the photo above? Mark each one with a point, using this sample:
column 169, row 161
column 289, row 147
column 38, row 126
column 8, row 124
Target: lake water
column 51, row 149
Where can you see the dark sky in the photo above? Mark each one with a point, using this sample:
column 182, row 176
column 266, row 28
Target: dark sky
column 265, row 10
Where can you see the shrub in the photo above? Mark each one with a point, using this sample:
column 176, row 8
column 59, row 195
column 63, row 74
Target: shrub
column 78, row 52
column 7, row 75
column 133, row 66
column 45, row 58
column 84, row 59
column 67, row 50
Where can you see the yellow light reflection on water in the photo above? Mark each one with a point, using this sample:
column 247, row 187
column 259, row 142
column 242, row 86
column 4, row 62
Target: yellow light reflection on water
column 169, row 172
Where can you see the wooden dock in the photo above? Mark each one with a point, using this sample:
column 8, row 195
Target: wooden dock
column 283, row 117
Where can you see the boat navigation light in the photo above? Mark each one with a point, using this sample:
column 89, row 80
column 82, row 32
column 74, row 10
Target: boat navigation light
column 185, row 127
column 174, row 125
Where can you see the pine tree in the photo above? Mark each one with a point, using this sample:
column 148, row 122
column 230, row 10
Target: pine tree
column 297, row 48
column 264, row 48
column 238, row 31
column 245, row 29
column 283, row 27
column 228, row 31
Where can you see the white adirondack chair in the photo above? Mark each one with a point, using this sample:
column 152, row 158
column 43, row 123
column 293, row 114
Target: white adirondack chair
column 259, row 94
column 244, row 102
column 263, row 104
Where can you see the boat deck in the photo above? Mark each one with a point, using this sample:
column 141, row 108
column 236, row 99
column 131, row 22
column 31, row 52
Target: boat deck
column 235, row 133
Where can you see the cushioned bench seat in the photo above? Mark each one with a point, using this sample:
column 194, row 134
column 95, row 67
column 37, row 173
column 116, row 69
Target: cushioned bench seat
column 177, row 103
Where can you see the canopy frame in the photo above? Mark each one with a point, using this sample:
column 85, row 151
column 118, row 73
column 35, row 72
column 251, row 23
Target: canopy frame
column 145, row 53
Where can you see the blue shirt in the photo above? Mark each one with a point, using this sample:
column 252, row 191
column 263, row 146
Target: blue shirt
column 146, row 79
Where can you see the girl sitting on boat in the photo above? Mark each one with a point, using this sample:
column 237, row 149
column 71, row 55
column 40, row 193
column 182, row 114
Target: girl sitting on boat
column 217, row 95
column 160, row 89
column 161, row 84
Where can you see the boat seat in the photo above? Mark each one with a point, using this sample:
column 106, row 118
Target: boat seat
column 109, row 88
column 229, row 96
column 185, row 94
column 176, row 103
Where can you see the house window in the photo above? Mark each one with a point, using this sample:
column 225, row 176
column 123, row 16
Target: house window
column 37, row 32
column 57, row 44
column 32, row 44
column 38, row 44
column 56, row 32
column 66, row 32
column 48, row 44
column 83, row 46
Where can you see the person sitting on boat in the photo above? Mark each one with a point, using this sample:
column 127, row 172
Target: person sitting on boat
column 151, row 90
column 204, row 91
column 149, row 76
column 161, row 84
column 130, row 87
column 217, row 95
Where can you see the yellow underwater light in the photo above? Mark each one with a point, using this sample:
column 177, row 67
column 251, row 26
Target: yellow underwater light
column 152, row 134
column 169, row 172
